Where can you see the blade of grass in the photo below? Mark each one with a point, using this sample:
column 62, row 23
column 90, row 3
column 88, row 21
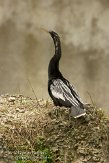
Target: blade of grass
column 33, row 91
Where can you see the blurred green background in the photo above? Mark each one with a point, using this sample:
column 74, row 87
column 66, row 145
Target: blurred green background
column 25, row 50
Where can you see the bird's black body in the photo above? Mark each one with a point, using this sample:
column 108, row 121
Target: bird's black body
column 59, row 88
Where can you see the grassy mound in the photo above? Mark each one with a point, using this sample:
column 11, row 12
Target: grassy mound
column 37, row 131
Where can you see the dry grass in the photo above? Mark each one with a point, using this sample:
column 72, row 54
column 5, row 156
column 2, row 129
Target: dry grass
column 39, row 132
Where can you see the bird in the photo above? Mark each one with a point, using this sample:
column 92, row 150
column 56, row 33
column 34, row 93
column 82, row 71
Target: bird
column 59, row 88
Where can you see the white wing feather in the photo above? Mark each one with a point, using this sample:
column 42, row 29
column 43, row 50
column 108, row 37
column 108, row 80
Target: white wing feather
column 61, row 91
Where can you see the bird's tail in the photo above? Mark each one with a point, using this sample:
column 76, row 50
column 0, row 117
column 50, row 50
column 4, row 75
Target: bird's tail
column 77, row 112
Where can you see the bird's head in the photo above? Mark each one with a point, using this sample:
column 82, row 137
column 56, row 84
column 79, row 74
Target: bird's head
column 53, row 34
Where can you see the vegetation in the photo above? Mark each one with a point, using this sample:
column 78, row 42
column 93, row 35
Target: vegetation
column 35, row 131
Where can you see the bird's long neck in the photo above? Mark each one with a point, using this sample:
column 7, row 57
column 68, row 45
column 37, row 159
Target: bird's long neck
column 53, row 69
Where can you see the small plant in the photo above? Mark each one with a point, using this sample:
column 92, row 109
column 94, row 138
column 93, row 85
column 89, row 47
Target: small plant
column 43, row 150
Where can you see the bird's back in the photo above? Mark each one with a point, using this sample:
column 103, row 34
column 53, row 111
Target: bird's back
column 61, row 91
column 63, row 94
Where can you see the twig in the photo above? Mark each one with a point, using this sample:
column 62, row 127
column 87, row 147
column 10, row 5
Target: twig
column 33, row 91
column 91, row 98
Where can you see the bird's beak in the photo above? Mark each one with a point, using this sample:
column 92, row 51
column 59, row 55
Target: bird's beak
column 45, row 30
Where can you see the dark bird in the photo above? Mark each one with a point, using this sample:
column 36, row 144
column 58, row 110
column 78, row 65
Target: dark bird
column 59, row 88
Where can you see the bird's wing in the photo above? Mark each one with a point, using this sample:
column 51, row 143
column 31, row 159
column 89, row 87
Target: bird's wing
column 74, row 92
column 62, row 92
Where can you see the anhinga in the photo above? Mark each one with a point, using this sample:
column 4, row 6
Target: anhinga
column 59, row 88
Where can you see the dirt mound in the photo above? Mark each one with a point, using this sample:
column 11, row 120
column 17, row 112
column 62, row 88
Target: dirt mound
column 78, row 140
column 36, row 131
